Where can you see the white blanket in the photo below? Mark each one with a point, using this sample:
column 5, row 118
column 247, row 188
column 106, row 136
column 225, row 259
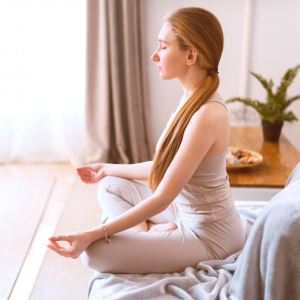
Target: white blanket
column 268, row 267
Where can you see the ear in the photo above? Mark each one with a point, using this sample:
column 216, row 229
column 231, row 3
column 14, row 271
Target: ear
column 191, row 57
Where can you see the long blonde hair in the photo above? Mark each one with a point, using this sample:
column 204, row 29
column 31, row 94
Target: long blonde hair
column 196, row 28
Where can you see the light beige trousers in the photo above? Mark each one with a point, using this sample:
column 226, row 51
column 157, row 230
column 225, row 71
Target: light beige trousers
column 139, row 252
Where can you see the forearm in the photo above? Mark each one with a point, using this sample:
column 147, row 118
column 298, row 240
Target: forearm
column 139, row 171
column 136, row 215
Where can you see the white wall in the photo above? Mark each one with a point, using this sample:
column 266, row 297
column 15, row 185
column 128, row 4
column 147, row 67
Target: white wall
column 274, row 46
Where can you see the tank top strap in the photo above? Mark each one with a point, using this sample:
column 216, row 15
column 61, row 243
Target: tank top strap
column 217, row 98
column 213, row 98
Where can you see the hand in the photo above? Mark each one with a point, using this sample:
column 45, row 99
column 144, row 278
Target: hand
column 91, row 173
column 78, row 241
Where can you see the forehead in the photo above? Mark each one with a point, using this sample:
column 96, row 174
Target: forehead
column 166, row 34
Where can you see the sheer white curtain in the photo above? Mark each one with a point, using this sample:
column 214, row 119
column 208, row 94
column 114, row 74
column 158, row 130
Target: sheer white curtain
column 42, row 81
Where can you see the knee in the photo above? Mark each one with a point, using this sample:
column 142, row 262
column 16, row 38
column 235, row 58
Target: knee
column 112, row 185
column 88, row 257
column 105, row 185
column 105, row 182
column 90, row 262
column 85, row 258
column 98, row 256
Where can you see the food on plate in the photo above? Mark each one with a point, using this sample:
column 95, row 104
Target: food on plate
column 236, row 156
column 232, row 159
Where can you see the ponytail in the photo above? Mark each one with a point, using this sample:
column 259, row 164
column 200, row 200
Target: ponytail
column 201, row 26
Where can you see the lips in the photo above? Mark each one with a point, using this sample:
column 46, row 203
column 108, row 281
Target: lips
column 158, row 68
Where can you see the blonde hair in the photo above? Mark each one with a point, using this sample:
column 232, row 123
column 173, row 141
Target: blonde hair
column 196, row 28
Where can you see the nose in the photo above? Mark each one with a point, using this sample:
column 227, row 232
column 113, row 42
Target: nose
column 155, row 57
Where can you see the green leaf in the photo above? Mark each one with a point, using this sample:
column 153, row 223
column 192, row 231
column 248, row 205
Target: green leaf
column 261, row 108
column 289, row 117
column 290, row 100
column 267, row 85
column 271, row 83
column 274, row 118
column 286, row 81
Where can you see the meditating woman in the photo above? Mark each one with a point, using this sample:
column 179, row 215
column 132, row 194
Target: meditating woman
column 186, row 214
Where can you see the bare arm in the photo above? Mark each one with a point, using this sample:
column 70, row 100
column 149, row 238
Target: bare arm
column 95, row 172
column 139, row 171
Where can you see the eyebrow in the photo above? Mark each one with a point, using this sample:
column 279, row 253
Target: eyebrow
column 162, row 41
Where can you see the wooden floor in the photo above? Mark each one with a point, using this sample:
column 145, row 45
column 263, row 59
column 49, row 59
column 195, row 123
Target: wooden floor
column 65, row 176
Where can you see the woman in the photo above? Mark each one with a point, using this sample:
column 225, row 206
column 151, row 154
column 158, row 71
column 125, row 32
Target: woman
column 187, row 215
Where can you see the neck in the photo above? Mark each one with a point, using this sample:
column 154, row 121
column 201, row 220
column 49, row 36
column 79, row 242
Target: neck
column 190, row 79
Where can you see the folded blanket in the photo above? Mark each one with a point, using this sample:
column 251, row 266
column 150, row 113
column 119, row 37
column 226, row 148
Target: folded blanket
column 210, row 279
column 269, row 266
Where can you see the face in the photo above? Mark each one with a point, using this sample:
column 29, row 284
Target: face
column 171, row 62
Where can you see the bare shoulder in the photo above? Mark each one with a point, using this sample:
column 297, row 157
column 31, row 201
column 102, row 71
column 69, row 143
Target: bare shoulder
column 212, row 122
column 211, row 114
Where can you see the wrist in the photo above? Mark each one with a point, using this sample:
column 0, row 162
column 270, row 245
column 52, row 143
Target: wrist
column 107, row 169
column 95, row 234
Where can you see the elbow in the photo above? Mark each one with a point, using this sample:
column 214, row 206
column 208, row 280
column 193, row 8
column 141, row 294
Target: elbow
column 162, row 204
column 161, row 200
column 164, row 207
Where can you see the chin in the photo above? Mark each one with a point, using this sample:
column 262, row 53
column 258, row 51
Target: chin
column 165, row 77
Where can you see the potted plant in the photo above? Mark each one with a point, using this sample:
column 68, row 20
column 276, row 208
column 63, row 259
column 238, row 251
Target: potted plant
column 273, row 112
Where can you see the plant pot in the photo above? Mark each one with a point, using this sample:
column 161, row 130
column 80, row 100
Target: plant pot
column 271, row 132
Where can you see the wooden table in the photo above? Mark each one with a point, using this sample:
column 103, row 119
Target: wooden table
column 279, row 159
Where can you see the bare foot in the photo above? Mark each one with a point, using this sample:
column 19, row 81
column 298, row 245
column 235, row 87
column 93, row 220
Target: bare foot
column 161, row 227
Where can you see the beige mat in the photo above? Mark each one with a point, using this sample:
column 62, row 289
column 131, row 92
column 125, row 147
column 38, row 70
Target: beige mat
column 22, row 203
column 66, row 278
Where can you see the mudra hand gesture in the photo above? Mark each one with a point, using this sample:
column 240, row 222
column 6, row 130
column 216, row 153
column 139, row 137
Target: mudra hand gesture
column 91, row 173
column 78, row 241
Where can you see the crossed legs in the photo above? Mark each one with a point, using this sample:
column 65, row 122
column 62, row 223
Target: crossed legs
column 117, row 195
column 161, row 249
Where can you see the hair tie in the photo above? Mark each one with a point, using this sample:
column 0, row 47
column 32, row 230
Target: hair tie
column 213, row 71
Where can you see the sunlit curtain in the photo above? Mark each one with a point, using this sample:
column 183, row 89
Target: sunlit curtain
column 42, row 81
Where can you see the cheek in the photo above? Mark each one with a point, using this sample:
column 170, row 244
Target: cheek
column 175, row 67
column 170, row 60
column 169, row 57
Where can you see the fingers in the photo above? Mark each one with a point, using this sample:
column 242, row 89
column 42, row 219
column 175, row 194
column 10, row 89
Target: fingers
column 75, row 241
column 60, row 237
column 84, row 176
column 62, row 251
column 83, row 172
column 85, row 168
column 87, row 174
